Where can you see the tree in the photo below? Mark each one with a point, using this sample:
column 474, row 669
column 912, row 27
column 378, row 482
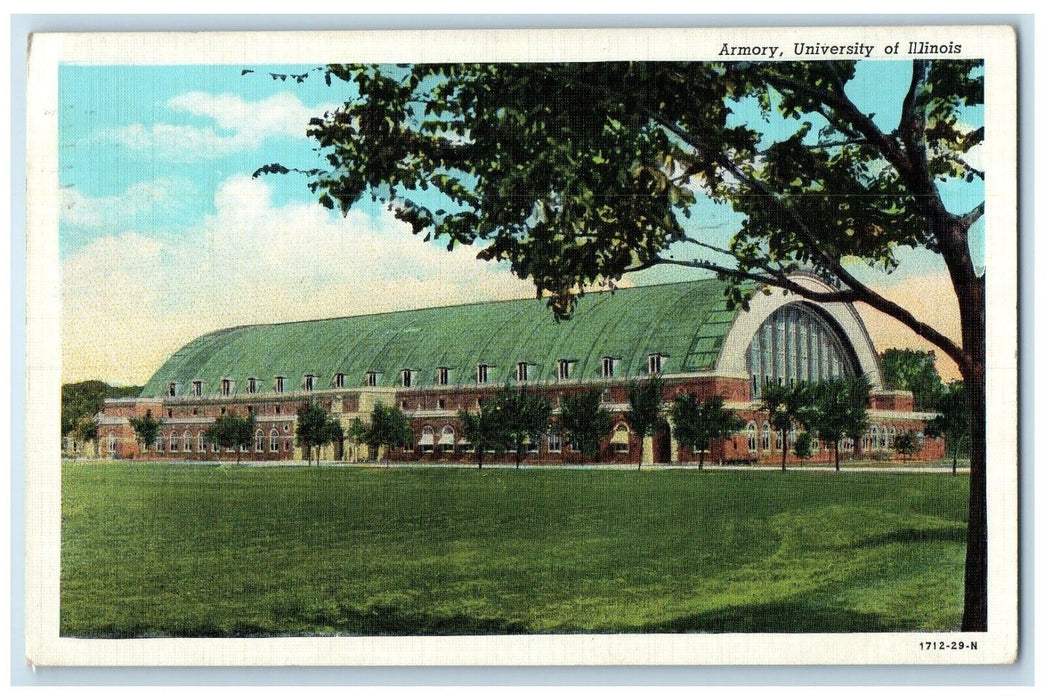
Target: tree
column 145, row 428
column 914, row 371
column 86, row 430
column 232, row 432
column 523, row 417
column 87, row 399
column 484, row 429
column 577, row 173
column 315, row 428
column 644, row 398
column 906, row 443
column 787, row 405
column 952, row 419
column 583, row 421
column 388, row 427
column 699, row 423
column 804, row 445
column 839, row 410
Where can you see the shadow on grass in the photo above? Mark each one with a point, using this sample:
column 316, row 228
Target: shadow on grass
column 374, row 621
column 950, row 533
column 781, row 616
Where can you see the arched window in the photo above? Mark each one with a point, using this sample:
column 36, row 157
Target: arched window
column 186, row 442
column 427, row 441
column 201, row 443
column 174, row 442
column 892, row 436
column 778, row 439
column 765, row 436
column 446, row 438
column 112, row 445
column 797, row 343
column 874, row 437
column 273, row 440
column 157, row 444
column 259, row 440
column 752, row 436
column 621, row 438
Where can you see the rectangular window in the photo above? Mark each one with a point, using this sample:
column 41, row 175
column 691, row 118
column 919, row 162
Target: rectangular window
column 371, row 378
column 172, row 389
column 609, row 366
column 310, row 382
column 442, row 375
column 339, row 380
column 442, row 403
column 565, row 368
column 279, row 384
column 252, row 385
column 407, row 377
column 482, row 374
column 197, row 388
column 226, row 387
column 554, row 443
column 655, row 363
column 522, row 372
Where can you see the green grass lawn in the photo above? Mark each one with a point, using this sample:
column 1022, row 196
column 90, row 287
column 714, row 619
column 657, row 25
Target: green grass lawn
column 185, row 550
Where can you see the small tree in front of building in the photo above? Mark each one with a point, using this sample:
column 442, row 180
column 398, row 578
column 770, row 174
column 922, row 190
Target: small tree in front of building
column 804, row 445
column 584, row 422
column 316, row 428
column 699, row 423
column 907, row 444
column 86, row 431
column 388, row 427
column 952, row 420
column 232, row 432
column 643, row 412
column 524, row 416
column 788, row 406
column 146, row 429
column 839, row 410
column 484, row 429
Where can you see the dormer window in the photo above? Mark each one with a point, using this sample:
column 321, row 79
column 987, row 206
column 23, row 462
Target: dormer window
column 609, row 366
column 310, row 382
column 566, row 368
column 197, row 388
column 252, row 385
column 442, row 375
column 371, row 378
column 172, row 389
column 226, row 387
column 482, row 374
column 656, row 363
column 522, row 371
column 406, row 377
column 339, row 380
column 279, row 384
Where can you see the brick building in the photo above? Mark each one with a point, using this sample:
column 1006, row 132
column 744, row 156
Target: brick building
column 432, row 363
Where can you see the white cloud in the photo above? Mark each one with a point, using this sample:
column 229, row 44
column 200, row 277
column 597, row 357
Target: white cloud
column 240, row 126
column 153, row 199
column 130, row 300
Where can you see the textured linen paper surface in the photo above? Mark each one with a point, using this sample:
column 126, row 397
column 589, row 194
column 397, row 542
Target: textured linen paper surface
column 182, row 184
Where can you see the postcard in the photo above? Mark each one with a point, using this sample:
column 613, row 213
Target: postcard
column 522, row 347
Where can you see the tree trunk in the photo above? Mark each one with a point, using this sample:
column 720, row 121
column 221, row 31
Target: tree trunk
column 783, row 461
column 837, row 465
column 975, row 617
column 700, row 463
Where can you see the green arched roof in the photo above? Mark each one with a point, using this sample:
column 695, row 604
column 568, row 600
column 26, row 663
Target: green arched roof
column 685, row 321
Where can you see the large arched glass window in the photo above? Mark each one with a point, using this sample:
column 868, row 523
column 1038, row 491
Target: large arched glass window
column 273, row 440
column 259, row 440
column 797, row 343
column 174, row 442
column 186, row 442
column 752, row 436
column 765, row 436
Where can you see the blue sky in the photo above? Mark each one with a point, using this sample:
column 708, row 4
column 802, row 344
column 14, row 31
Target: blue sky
column 164, row 235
